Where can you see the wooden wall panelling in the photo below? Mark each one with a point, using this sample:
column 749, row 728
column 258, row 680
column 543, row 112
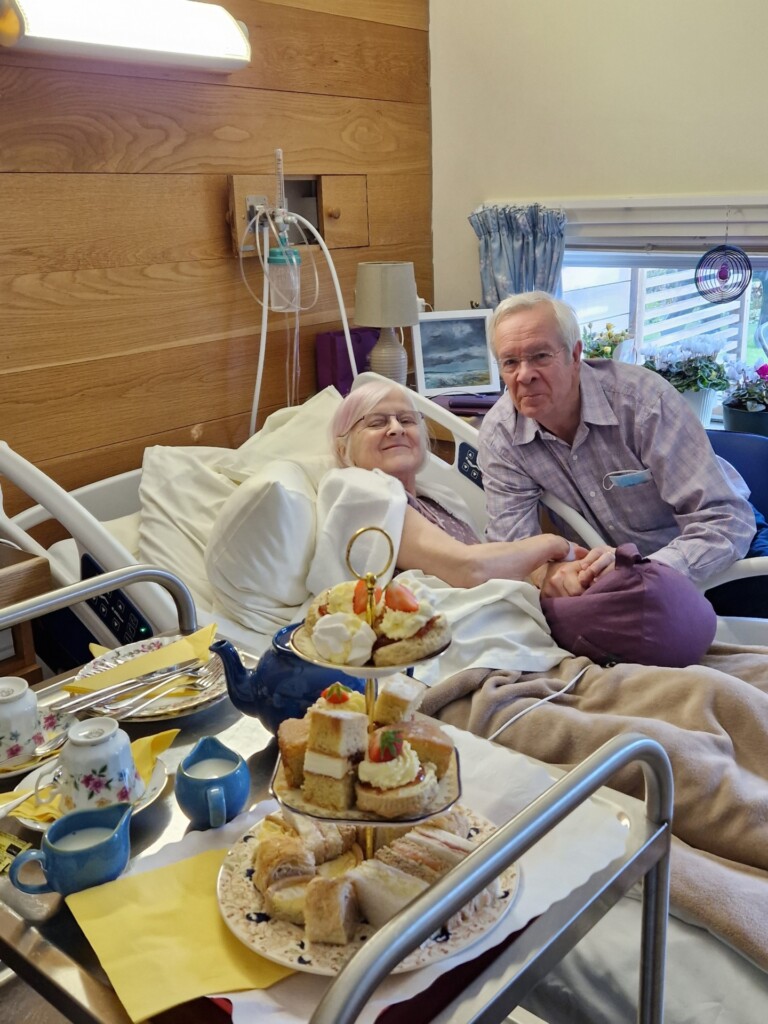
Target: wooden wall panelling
column 400, row 209
column 67, row 222
column 340, row 56
column 129, row 125
column 410, row 13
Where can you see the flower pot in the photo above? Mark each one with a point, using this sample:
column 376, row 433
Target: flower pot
column 745, row 422
column 702, row 403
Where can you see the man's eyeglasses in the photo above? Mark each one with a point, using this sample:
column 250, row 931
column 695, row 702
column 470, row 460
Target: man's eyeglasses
column 380, row 420
column 536, row 360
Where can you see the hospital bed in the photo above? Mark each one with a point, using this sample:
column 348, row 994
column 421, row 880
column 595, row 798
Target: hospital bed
column 103, row 520
column 597, row 982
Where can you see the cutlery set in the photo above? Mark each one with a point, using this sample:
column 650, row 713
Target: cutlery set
column 137, row 693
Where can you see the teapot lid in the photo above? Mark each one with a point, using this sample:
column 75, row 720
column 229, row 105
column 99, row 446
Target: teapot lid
column 281, row 641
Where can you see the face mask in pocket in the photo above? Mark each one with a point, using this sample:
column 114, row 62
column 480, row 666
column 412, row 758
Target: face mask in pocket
column 626, row 478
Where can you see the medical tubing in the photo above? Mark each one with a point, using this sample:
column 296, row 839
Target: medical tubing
column 262, row 342
column 339, row 297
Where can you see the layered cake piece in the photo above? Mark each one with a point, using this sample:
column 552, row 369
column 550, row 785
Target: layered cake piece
column 292, row 738
column 431, row 743
column 336, row 742
column 398, row 699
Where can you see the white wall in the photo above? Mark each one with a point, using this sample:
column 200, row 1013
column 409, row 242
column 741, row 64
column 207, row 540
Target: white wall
column 545, row 99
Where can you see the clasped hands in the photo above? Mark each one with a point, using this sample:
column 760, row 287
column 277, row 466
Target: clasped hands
column 573, row 578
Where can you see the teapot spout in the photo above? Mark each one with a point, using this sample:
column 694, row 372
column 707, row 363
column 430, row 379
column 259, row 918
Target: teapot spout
column 239, row 683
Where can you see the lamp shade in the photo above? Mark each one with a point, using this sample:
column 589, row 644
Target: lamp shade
column 385, row 295
column 180, row 33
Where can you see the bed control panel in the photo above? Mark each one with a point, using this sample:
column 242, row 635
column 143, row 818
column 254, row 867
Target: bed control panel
column 467, row 464
column 116, row 611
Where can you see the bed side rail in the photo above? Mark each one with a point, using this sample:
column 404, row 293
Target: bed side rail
column 387, row 947
column 64, row 597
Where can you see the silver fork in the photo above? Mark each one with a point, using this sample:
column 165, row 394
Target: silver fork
column 123, row 708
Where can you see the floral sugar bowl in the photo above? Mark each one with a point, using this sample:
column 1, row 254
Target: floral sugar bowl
column 95, row 768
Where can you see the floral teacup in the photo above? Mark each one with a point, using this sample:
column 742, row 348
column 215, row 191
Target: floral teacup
column 95, row 768
column 20, row 730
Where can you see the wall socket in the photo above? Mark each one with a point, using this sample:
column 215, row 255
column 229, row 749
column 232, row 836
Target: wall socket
column 251, row 203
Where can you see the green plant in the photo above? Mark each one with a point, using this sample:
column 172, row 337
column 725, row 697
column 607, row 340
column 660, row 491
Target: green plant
column 692, row 366
column 602, row 344
column 748, row 388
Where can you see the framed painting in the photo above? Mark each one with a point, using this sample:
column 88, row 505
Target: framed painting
column 451, row 354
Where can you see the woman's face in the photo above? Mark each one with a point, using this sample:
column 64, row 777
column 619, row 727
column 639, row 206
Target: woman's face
column 390, row 437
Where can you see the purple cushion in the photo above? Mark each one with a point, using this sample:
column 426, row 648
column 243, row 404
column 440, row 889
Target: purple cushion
column 642, row 612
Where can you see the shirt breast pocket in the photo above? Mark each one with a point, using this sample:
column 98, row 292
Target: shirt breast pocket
column 639, row 507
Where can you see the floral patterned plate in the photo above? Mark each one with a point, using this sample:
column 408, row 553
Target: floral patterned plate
column 168, row 707
column 51, row 724
column 242, row 907
column 154, row 788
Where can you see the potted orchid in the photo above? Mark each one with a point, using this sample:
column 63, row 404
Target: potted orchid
column 692, row 368
column 745, row 408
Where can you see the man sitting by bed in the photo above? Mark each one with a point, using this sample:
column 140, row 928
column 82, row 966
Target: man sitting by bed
column 617, row 443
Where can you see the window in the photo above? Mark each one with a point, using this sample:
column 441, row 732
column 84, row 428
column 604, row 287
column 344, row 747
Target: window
column 631, row 261
column 659, row 304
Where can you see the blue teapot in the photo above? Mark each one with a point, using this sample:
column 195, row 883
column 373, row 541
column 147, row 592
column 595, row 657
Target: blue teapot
column 282, row 685
column 81, row 849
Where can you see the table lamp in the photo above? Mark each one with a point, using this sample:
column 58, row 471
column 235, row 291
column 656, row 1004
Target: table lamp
column 385, row 297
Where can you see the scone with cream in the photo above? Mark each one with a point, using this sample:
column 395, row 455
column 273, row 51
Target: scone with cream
column 337, row 623
column 408, row 629
column 392, row 782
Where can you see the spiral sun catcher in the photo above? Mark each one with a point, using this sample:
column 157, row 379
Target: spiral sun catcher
column 723, row 273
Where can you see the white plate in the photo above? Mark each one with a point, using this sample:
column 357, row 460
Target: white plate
column 52, row 723
column 242, row 907
column 301, row 644
column 165, row 707
column 153, row 790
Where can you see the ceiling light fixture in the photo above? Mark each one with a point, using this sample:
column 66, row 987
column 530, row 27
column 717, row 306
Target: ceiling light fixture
column 170, row 33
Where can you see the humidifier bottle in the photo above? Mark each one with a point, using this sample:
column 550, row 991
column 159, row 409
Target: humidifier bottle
column 284, row 267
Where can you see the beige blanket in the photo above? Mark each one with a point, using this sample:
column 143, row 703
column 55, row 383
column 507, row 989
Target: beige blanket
column 712, row 719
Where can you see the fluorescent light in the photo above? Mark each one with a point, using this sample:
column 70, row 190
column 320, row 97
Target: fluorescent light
column 178, row 33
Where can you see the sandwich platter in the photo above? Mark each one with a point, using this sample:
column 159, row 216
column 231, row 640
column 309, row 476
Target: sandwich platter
column 449, row 791
column 243, row 910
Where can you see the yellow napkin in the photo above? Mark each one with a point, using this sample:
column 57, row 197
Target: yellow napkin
column 161, row 938
column 145, row 754
column 193, row 646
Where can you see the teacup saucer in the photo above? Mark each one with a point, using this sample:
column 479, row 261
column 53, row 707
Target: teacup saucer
column 154, row 788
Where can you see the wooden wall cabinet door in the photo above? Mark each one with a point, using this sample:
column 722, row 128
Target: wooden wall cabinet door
column 343, row 210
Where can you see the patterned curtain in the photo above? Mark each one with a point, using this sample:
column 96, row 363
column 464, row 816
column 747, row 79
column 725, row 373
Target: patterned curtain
column 521, row 250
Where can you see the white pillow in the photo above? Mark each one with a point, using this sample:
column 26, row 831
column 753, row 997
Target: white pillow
column 299, row 434
column 260, row 548
column 180, row 495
